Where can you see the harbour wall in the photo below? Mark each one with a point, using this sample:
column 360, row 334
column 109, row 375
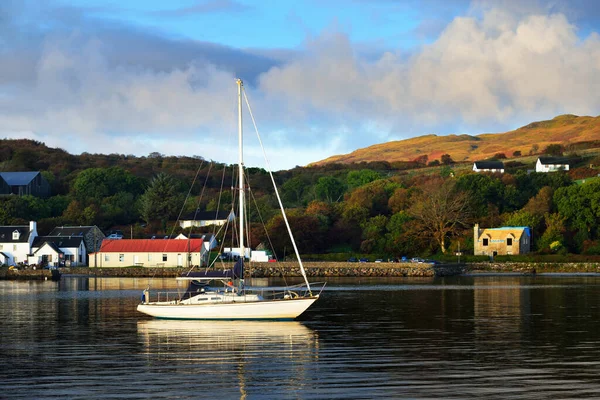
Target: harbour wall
column 262, row 270
column 324, row 269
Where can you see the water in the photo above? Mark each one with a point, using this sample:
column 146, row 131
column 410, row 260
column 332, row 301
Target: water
column 508, row 337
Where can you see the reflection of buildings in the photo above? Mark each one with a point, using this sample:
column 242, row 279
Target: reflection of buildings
column 499, row 306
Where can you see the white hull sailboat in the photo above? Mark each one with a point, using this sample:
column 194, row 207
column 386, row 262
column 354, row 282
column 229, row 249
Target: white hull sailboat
column 232, row 300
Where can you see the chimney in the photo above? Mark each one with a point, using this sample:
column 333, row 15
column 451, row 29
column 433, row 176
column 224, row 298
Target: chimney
column 476, row 234
column 33, row 227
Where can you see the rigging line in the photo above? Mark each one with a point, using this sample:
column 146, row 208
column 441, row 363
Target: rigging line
column 287, row 224
column 180, row 211
column 196, row 209
column 262, row 221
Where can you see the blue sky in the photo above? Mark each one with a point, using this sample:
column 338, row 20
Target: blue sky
column 323, row 77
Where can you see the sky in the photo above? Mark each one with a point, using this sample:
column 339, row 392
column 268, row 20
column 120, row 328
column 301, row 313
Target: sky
column 323, row 77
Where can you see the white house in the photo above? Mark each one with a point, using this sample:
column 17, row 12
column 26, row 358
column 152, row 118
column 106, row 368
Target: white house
column 15, row 242
column 550, row 164
column 152, row 253
column 209, row 240
column 205, row 218
column 58, row 251
column 488, row 166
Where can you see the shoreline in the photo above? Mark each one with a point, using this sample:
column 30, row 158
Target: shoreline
column 325, row 270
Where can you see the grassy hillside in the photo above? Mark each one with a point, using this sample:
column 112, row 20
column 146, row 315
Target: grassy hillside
column 564, row 129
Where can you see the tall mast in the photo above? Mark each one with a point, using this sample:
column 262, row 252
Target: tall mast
column 241, row 168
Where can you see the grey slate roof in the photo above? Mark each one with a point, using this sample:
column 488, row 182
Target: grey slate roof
column 18, row 178
column 554, row 160
column 70, row 230
column 59, row 241
column 6, row 234
column 489, row 165
column 206, row 216
column 53, row 245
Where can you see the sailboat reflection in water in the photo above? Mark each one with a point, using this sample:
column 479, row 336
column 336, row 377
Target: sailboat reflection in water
column 231, row 299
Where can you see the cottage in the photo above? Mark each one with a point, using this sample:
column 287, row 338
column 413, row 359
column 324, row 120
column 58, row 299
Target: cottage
column 205, row 218
column 25, row 183
column 152, row 253
column 551, row 164
column 502, row 241
column 92, row 235
column 15, row 243
column 488, row 166
column 58, row 251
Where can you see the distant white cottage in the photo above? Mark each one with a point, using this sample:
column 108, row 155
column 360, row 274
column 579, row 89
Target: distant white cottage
column 551, row 164
column 488, row 166
column 205, row 218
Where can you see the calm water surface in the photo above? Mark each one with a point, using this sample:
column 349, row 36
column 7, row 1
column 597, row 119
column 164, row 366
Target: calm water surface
column 508, row 337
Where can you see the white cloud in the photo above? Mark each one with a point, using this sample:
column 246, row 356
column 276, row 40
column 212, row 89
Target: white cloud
column 487, row 71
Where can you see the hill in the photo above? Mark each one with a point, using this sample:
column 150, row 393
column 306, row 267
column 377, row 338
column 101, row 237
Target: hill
column 564, row 129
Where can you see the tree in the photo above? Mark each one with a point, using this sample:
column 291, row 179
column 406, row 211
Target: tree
column 372, row 196
column 421, row 159
column 517, row 153
column 534, row 149
column 160, row 201
column 555, row 229
column 483, row 189
column 446, row 159
column 329, row 189
column 441, row 210
column 500, row 156
column 554, row 149
column 293, row 189
column 362, row 177
column 580, row 205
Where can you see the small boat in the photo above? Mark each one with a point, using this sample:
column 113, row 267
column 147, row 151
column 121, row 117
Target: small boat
column 221, row 294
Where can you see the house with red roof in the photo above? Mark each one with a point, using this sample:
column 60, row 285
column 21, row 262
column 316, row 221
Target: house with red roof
column 152, row 253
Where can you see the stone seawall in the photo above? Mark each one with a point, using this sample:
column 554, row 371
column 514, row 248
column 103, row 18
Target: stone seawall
column 324, row 270
column 565, row 268
column 261, row 270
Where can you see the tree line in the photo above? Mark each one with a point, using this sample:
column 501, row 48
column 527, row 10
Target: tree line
column 379, row 208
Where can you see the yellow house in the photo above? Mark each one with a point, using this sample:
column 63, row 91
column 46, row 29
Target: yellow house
column 502, row 241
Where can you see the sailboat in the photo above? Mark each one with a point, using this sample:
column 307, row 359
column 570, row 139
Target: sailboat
column 221, row 294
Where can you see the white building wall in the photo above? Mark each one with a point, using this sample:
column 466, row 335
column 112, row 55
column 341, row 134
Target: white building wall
column 16, row 252
column 114, row 260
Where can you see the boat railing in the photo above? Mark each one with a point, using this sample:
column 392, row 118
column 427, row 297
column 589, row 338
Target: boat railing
column 294, row 291
column 287, row 292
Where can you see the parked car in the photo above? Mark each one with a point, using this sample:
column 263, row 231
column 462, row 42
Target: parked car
column 416, row 260
column 379, row 260
column 353, row 259
column 364, row 260
column 404, row 259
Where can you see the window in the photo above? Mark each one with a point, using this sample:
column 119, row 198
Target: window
column 509, row 241
column 106, row 257
column 121, row 257
column 149, row 256
column 0, row 247
column 485, row 242
column 164, row 257
column 14, row 247
column 16, row 235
